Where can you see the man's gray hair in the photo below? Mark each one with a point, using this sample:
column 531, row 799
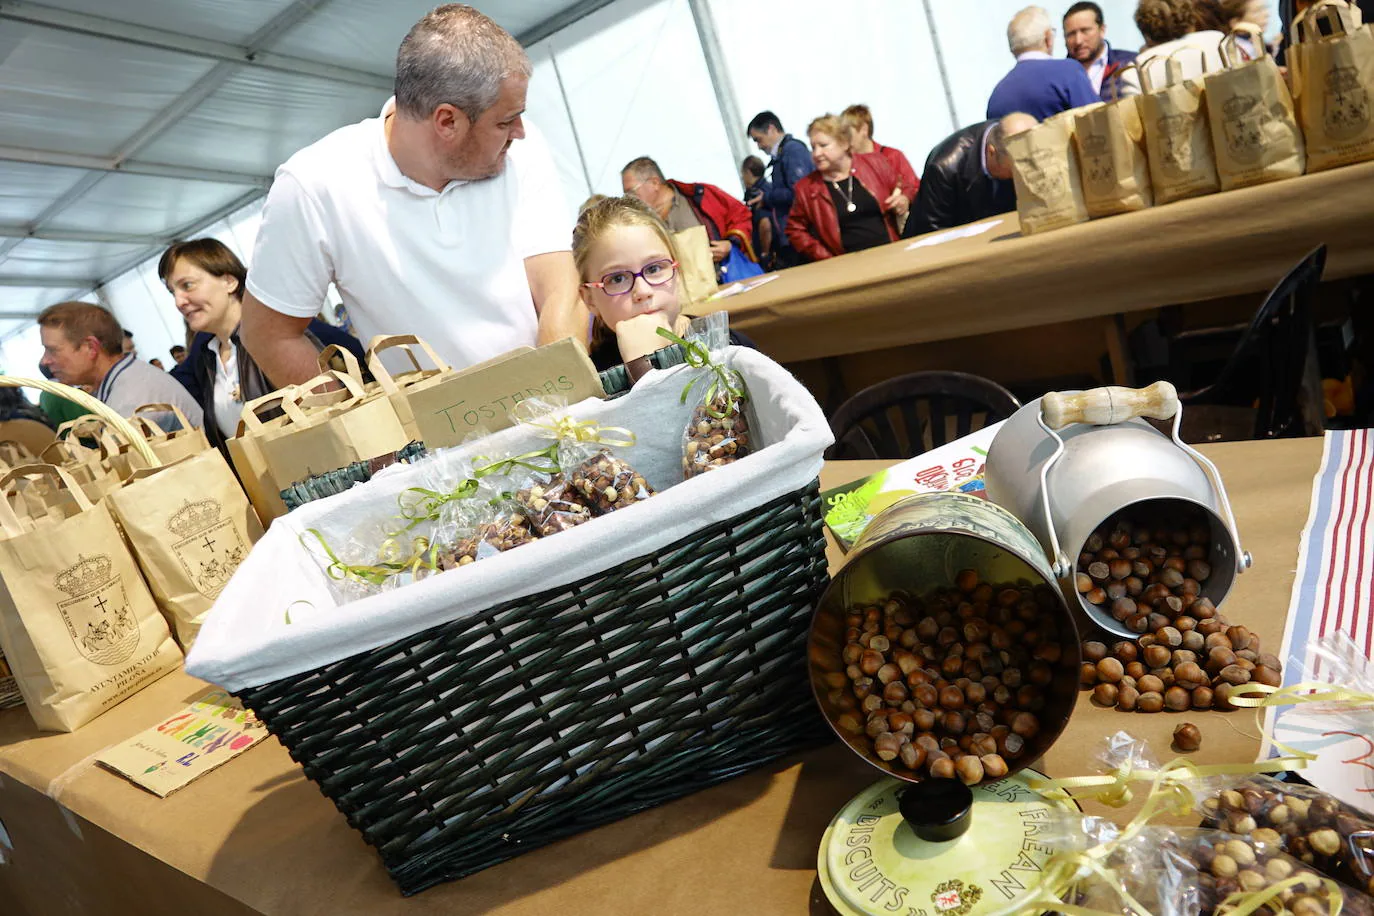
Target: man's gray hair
column 455, row 56
column 1027, row 29
column 643, row 168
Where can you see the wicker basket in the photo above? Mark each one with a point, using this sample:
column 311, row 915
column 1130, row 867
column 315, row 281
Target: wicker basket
column 472, row 742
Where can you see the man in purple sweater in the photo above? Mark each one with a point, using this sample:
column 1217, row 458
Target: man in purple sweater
column 1039, row 85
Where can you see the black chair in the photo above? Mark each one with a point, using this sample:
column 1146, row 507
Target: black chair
column 1270, row 382
column 911, row 414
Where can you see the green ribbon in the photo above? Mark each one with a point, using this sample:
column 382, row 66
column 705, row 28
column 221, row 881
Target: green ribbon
column 391, row 562
column 723, row 378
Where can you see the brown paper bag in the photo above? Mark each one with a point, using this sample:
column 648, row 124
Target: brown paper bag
column 1045, row 171
column 84, row 466
column 14, row 453
column 333, row 431
column 399, row 386
column 77, row 624
column 696, row 270
column 115, row 450
column 1110, row 138
column 1254, row 130
column 1178, row 136
column 169, row 447
column 1333, row 78
column 245, row 451
column 189, row 525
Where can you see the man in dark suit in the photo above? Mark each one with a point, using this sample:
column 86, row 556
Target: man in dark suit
column 967, row 177
column 1085, row 34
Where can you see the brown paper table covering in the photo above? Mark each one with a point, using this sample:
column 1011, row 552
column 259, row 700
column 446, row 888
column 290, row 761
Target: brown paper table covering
column 255, row 836
column 1188, row 251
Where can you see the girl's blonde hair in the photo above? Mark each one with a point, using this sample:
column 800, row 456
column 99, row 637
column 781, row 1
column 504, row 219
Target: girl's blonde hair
column 834, row 126
column 598, row 217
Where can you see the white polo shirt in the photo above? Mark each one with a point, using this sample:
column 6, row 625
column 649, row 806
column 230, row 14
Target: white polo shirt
column 445, row 265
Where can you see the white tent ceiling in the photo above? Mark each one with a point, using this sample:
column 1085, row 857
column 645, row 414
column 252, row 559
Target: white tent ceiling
column 125, row 124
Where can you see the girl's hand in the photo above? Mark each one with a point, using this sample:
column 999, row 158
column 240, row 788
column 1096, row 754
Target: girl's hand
column 638, row 335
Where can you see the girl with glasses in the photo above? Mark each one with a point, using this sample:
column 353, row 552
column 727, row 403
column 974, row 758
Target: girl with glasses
column 629, row 269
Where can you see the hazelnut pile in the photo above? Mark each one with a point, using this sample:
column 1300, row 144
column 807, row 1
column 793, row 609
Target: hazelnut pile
column 1188, row 656
column 715, row 441
column 1136, row 572
column 1227, row 865
column 952, row 685
column 1309, row 825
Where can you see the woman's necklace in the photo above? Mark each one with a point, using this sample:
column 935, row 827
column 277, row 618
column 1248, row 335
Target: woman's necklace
column 848, row 196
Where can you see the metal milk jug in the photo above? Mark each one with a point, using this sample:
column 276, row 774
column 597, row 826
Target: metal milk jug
column 1067, row 462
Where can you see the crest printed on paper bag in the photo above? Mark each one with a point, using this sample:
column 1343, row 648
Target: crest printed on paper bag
column 1345, row 113
column 1244, row 118
column 1044, row 175
column 1176, row 144
column 97, row 612
column 1099, row 172
column 209, row 546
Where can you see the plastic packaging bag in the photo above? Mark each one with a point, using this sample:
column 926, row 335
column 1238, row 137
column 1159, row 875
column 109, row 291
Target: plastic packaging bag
column 608, row 483
column 719, row 430
column 1303, row 821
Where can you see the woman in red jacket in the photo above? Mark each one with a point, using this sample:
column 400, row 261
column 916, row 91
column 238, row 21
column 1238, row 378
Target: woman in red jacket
column 843, row 205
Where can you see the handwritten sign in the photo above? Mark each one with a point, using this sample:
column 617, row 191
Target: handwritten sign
column 210, row 732
column 479, row 399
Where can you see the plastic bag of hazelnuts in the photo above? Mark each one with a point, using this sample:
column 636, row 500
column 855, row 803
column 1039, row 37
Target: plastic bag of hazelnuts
column 718, row 431
column 1302, row 821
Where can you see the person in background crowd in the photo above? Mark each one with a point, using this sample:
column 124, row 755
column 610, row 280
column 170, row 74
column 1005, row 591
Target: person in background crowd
column 859, row 120
column 82, row 346
column 207, row 283
column 765, row 218
column 841, row 207
column 15, row 406
column 178, row 354
column 157, row 363
column 789, row 161
column 967, row 177
column 1085, row 35
column 684, row 204
column 58, row 409
column 441, row 217
column 127, row 346
column 628, row 263
column 1169, row 26
column 1038, row 85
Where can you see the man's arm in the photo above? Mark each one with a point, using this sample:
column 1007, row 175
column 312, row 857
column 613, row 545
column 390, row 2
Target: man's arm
column 935, row 204
column 277, row 343
column 553, row 285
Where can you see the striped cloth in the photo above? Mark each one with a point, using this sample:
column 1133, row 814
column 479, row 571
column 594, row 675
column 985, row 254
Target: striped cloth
column 1333, row 594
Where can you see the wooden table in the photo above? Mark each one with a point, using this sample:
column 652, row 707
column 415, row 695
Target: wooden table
column 256, row 837
column 1189, row 251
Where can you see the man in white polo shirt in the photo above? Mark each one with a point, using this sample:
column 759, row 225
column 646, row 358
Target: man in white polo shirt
column 429, row 219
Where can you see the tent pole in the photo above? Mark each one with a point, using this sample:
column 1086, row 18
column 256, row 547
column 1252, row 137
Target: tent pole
column 940, row 65
column 720, row 79
column 572, row 122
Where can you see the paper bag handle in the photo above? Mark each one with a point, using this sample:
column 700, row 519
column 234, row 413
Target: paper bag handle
column 291, row 404
column 403, row 342
column 163, row 408
column 151, row 431
column 63, row 445
column 1229, row 45
column 64, row 480
column 250, row 420
column 1116, row 79
column 94, row 427
column 1338, row 15
column 351, row 365
column 1173, row 69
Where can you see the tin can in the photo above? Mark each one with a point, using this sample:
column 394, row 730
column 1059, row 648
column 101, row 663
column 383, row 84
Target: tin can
column 917, row 545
